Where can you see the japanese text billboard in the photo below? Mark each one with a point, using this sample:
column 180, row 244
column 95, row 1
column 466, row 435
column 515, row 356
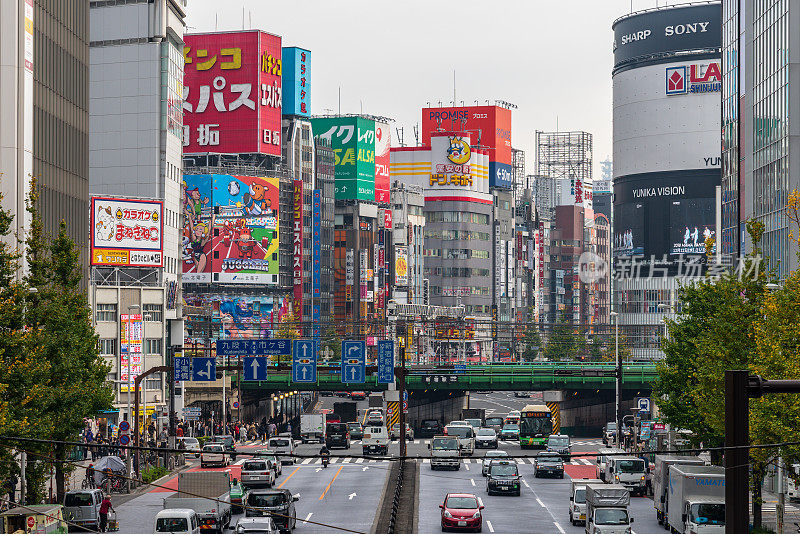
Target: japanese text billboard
column 490, row 127
column 297, row 258
column 130, row 345
column 383, row 142
column 296, row 81
column 230, row 229
column 400, row 265
column 232, row 93
column 353, row 143
column 126, row 232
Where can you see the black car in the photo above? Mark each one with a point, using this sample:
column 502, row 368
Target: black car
column 429, row 428
column 275, row 503
column 560, row 443
column 548, row 464
column 337, row 435
column 503, row 477
column 356, row 430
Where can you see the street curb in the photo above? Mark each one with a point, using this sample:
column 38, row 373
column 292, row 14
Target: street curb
column 379, row 512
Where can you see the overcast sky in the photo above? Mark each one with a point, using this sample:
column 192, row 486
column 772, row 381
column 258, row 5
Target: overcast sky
column 552, row 58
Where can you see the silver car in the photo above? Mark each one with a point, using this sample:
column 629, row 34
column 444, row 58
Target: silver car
column 256, row 525
column 283, row 448
column 487, row 460
column 257, row 473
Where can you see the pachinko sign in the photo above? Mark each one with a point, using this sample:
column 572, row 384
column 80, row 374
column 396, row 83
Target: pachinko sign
column 127, row 232
column 232, row 93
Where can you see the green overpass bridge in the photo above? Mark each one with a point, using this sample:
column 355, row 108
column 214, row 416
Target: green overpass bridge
column 491, row 377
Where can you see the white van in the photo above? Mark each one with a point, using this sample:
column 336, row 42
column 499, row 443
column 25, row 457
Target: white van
column 375, row 440
column 82, row 507
column 192, row 445
column 282, row 447
column 177, row 521
column 602, row 462
column 465, row 435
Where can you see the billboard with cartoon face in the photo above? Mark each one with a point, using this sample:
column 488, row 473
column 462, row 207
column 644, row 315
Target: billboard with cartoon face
column 231, row 229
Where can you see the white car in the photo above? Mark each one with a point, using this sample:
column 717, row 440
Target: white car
column 213, row 454
column 487, row 460
column 460, row 423
column 191, row 445
column 256, row 525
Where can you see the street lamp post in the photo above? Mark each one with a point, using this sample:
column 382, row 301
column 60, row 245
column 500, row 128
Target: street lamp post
column 129, row 382
column 618, row 380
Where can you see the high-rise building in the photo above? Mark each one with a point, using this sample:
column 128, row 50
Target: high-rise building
column 666, row 155
column 44, row 113
column 135, row 156
column 759, row 151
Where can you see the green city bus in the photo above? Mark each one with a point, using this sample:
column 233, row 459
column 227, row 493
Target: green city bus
column 535, row 425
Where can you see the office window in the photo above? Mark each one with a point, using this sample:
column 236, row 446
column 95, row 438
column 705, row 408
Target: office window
column 153, row 346
column 107, row 347
column 153, row 312
column 106, row 312
column 153, row 381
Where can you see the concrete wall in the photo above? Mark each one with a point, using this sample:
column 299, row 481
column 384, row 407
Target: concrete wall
column 439, row 406
column 584, row 414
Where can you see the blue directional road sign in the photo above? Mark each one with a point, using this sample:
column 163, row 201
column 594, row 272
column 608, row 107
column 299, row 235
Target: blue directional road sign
column 385, row 361
column 255, row 368
column 254, row 347
column 204, row 369
column 304, row 361
column 353, row 362
column 183, row 370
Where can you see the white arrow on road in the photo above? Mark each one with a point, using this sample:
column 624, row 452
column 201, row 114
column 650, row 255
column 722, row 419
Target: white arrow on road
column 350, row 497
column 365, row 468
column 318, row 469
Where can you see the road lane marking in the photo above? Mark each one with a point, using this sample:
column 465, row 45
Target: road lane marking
column 532, row 460
column 561, row 530
column 296, row 469
column 540, row 502
column 346, row 460
column 473, row 481
column 309, row 516
column 359, row 460
column 467, row 466
column 526, row 483
column 329, row 483
column 333, row 459
column 585, row 461
column 306, row 461
column 489, row 525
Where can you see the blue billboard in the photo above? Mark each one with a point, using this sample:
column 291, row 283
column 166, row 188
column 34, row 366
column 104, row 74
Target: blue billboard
column 296, row 80
column 500, row 175
column 316, row 242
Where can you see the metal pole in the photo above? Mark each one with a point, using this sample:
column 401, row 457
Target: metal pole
column 737, row 409
column 618, row 382
column 781, row 496
column 401, row 386
column 23, row 459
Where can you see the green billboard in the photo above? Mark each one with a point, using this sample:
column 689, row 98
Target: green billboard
column 353, row 142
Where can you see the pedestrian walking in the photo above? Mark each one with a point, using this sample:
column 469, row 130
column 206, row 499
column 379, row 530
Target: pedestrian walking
column 105, row 506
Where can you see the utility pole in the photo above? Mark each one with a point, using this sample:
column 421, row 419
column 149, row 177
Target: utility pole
column 617, row 381
column 401, row 387
column 23, row 460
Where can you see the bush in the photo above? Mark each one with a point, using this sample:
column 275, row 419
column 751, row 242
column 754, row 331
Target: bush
column 153, row 473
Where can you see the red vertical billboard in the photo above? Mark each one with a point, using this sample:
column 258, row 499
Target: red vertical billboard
column 490, row 127
column 297, row 239
column 383, row 142
column 232, row 93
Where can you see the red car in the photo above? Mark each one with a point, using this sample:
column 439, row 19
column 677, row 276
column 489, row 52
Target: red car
column 358, row 395
column 461, row 511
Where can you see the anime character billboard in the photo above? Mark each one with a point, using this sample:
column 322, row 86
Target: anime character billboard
column 245, row 232
column 197, row 228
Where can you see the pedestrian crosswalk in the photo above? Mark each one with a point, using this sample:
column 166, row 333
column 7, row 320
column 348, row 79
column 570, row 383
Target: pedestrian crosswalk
column 595, row 442
column 342, row 460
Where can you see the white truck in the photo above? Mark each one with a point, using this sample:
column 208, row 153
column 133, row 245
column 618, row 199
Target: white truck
column 375, row 440
column 607, row 509
column 577, row 499
column 696, row 499
column 312, row 427
column 602, row 459
column 661, row 480
column 208, row 494
column 445, row 453
column 628, row 471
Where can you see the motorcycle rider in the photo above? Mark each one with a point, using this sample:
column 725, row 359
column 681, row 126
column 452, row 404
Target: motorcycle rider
column 325, row 454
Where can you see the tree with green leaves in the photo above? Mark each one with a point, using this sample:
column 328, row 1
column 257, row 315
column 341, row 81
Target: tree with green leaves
column 531, row 342
column 717, row 330
column 563, row 342
column 288, row 329
column 332, row 341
